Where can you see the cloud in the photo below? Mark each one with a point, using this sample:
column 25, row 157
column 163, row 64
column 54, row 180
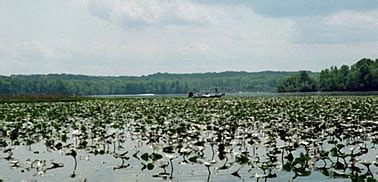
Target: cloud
column 198, row 48
column 46, row 51
column 352, row 19
column 135, row 37
column 299, row 8
column 136, row 13
column 340, row 27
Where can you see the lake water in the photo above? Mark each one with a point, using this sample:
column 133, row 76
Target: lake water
column 246, row 94
column 229, row 139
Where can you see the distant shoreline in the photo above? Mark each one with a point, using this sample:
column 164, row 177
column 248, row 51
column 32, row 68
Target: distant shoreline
column 247, row 94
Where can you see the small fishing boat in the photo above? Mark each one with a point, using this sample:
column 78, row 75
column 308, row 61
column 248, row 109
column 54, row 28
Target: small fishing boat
column 206, row 95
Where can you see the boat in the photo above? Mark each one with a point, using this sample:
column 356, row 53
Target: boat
column 206, row 95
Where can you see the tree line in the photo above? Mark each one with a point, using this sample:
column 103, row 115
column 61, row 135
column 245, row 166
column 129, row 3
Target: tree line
column 361, row 76
column 160, row 83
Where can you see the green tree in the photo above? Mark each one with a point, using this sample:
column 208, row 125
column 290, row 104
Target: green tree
column 300, row 82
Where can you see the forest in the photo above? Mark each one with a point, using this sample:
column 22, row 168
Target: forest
column 159, row 83
column 361, row 76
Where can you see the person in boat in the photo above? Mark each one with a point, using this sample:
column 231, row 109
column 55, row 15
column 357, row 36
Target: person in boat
column 205, row 95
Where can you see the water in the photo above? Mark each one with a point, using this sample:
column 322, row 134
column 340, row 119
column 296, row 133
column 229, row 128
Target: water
column 245, row 94
column 133, row 124
column 101, row 168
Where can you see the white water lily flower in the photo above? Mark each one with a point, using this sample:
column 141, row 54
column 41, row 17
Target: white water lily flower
column 41, row 172
column 206, row 163
column 259, row 175
column 75, row 132
column 14, row 162
column 175, row 136
column 185, row 150
column 28, row 161
column 235, row 153
column 39, row 163
column 279, row 166
column 200, row 148
column 304, row 143
column 351, row 148
column 228, row 138
column 84, row 158
column 170, row 156
column 366, row 163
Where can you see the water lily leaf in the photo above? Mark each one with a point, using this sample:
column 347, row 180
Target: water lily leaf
column 59, row 146
column 64, row 137
column 101, row 152
column 304, row 173
column 302, row 160
column 162, row 175
column 150, row 166
column 224, row 167
column 236, row 174
column 289, row 157
column 287, row 167
column 221, row 155
column 221, row 148
column 340, row 146
column 242, row 159
column 264, row 166
column 271, row 175
column 144, row 156
column 332, row 142
column 200, row 143
column 135, row 155
column 155, row 156
column 168, row 149
column 193, row 159
column 339, row 174
column 339, row 165
column 334, row 152
column 371, row 179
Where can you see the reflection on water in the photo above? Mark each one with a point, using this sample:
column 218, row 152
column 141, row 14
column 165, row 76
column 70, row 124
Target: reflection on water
column 236, row 139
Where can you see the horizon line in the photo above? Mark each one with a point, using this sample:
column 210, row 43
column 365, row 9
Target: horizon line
column 155, row 73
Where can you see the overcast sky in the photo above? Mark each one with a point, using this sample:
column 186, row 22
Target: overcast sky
column 139, row 37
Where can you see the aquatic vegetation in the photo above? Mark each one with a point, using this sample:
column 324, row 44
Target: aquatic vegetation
column 259, row 138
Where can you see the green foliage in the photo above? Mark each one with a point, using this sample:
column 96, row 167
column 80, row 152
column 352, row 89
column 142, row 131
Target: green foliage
column 242, row 159
column 160, row 83
column 144, row 156
column 300, row 82
column 155, row 156
column 370, row 179
column 193, row 159
column 168, row 149
column 362, row 76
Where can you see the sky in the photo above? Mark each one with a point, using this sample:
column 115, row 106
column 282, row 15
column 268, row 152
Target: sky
column 141, row 37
